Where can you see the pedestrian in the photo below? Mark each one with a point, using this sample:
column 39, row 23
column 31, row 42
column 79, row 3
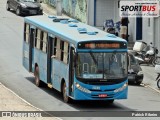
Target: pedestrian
column 124, row 27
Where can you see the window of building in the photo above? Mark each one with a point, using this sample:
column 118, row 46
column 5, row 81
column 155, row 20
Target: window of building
column 149, row 22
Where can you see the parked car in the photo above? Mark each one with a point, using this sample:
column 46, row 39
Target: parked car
column 135, row 73
column 25, row 7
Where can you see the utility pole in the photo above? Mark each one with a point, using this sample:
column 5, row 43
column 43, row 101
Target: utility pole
column 59, row 7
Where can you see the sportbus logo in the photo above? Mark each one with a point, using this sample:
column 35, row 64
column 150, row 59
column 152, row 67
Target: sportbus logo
column 140, row 8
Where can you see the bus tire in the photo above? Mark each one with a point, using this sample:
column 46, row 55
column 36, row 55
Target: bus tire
column 66, row 99
column 110, row 101
column 37, row 80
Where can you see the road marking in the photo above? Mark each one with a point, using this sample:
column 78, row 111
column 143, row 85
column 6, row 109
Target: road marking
column 45, row 13
column 146, row 85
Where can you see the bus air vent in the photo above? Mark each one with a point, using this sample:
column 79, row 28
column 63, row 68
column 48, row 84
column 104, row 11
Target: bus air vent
column 59, row 19
column 51, row 16
column 72, row 25
column 82, row 30
column 64, row 21
column 73, row 20
column 111, row 35
column 92, row 33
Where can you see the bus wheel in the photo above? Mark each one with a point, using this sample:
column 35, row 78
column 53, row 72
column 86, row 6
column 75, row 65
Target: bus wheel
column 37, row 80
column 66, row 99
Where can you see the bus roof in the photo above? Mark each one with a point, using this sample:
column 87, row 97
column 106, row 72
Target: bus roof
column 71, row 34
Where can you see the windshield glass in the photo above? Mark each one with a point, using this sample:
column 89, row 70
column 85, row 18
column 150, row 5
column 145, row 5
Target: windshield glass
column 101, row 65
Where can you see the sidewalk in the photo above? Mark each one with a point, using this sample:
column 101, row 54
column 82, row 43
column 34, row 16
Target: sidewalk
column 9, row 101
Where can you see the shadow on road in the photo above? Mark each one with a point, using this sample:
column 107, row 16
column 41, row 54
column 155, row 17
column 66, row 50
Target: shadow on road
column 84, row 105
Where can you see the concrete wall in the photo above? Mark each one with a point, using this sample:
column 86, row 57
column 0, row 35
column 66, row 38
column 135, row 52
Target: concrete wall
column 90, row 12
column 157, row 33
column 74, row 8
column 148, row 30
column 151, row 31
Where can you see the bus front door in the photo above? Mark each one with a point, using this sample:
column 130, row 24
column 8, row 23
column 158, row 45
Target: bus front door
column 71, row 70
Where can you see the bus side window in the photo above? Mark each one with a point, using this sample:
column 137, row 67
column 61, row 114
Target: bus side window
column 38, row 38
column 58, row 49
column 54, row 46
column 62, row 50
column 26, row 32
column 45, row 36
column 43, row 41
column 65, row 52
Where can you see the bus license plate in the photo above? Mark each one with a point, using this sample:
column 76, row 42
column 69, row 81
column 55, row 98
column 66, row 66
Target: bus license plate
column 102, row 95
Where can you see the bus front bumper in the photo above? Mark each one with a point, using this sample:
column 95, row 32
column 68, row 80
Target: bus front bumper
column 119, row 93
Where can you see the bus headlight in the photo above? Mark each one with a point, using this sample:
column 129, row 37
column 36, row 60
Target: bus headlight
column 121, row 88
column 82, row 88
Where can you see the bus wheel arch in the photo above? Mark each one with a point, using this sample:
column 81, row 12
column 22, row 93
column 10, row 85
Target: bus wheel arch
column 37, row 74
column 66, row 99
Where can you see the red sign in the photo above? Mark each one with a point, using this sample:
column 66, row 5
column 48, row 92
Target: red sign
column 102, row 95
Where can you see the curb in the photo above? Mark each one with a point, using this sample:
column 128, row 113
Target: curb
column 27, row 102
column 19, row 97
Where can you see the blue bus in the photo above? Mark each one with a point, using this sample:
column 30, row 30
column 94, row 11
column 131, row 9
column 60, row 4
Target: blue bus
column 81, row 61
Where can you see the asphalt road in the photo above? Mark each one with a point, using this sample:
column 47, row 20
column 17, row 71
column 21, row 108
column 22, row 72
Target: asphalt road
column 16, row 78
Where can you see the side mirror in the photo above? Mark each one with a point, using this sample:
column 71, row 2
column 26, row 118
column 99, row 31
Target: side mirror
column 40, row 1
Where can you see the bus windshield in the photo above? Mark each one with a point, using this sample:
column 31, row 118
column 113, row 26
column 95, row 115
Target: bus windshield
column 101, row 65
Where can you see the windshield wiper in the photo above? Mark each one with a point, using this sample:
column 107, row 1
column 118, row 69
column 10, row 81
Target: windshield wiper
column 94, row 59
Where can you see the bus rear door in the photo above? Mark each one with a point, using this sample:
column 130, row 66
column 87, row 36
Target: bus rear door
column 28, row 47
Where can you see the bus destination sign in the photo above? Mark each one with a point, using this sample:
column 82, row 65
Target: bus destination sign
column 102, row 45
